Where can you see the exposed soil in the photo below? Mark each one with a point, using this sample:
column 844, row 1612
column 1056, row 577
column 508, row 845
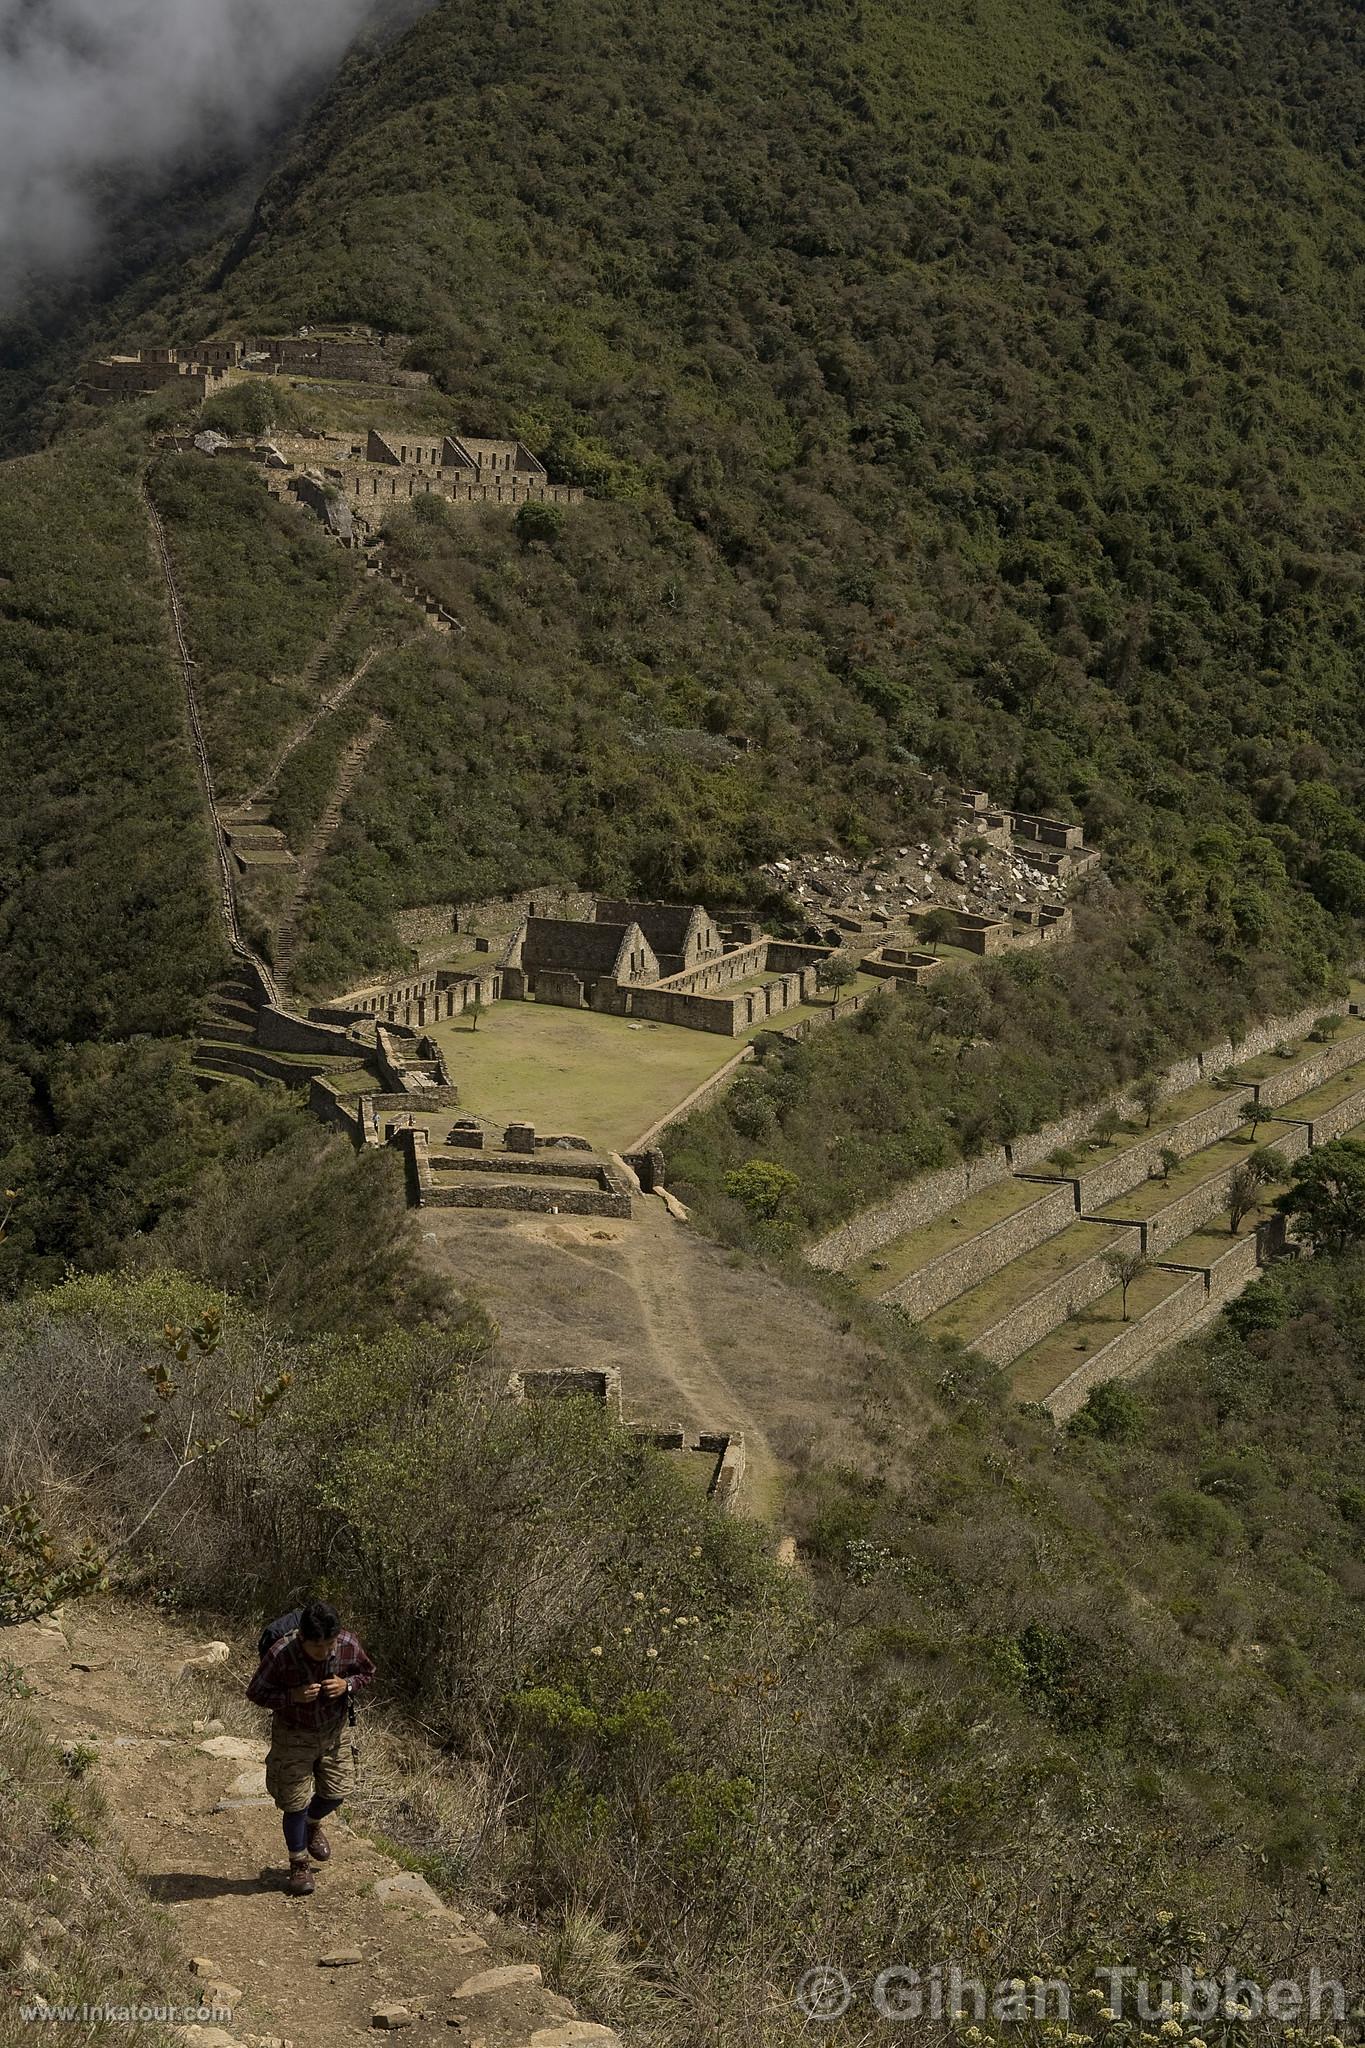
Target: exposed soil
column 208, row 1846
column 700, row 1339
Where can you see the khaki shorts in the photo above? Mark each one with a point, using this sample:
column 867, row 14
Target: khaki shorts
column 302, row 1762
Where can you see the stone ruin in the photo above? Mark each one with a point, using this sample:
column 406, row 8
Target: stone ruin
column 199, row 369
column 720, row 1452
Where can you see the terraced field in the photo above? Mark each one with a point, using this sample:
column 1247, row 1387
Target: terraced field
column 1037, row 1297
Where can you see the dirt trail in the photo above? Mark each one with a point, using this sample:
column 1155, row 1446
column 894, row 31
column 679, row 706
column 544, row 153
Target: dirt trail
column 208, row 1846
column 348, row 774
column 700, row 1338
column 326, row 706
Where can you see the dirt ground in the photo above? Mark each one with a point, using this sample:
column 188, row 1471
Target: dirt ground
column 701, row 1338
column 206, row 1843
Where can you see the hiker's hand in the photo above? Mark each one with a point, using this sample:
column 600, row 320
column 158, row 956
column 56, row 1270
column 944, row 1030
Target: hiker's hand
column 333, row 1688
column 303, row 1694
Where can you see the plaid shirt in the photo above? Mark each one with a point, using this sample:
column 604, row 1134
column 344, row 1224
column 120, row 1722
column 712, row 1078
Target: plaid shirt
column 285, row 1666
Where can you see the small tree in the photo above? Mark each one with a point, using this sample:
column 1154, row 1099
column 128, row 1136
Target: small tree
column 474, row 1011
column 34, row 1575
column 1253, row 1114
column 1244, row 1192
column 1267, row 1165
column 835, row 972
column 1326, row 1028
column 1168, row 1161
column 1126, row 1266
column 1104, row 1128
column 1147, row 1094
column 1327, row 1197
column 938, row 928
column 537, row 522
column 762, row 1186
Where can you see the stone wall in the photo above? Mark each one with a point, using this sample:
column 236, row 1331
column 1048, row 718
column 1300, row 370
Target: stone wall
column 1189, row 1211
column 920, row 1201
column 553, row 1166
column 332, row 1107
column 1260, row 1038
column 1131, row 1348
column 1342, row 1116
column 281, row 1031
column 529, row 1199
column 1136, row 1163
column 1236, row 1269
column 832, row 1013
column 602, row 1384
column 925, row 1199
column 1037, row 1317
column 1310, row 1070
column 966, row 1265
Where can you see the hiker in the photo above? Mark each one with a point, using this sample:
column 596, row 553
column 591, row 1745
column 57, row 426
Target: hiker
column 309, row 1670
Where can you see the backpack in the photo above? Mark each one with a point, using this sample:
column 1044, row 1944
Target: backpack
column 284, row 1626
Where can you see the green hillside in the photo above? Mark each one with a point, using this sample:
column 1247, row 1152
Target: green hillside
column 961, row 391
column 987, row 382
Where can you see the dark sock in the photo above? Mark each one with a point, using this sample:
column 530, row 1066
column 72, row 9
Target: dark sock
column 319, row 1809
column 296, row 1834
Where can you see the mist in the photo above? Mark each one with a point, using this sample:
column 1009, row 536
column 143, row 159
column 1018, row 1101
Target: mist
column 101, row 99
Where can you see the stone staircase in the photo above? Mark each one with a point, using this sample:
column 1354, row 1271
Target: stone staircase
column 1020, row 1269
column 348, row 774
column 280, row 485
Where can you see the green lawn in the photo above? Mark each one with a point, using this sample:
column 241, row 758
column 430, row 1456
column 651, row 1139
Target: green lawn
column 893, row 1262
column 1144, row 1201
column 606, row 1078
column 983, row 1306
column 1037, row 1372
column 1205, row 1247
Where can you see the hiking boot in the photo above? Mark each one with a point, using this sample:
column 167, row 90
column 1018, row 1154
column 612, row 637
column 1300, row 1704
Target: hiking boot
column 300, row 1881
column 319, row 1848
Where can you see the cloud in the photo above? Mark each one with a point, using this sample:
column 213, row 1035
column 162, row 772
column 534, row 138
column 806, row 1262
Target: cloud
column 100, row 98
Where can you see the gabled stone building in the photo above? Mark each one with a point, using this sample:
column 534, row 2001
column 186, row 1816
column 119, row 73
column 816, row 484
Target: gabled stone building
column 578, row 964
column 683, row 935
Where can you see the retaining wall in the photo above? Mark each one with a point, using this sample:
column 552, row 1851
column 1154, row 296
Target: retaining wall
column 1300, row 1076
column 1166, row 1226
column 557, row 1167
column 530, row 1199
column 920, row 1201
column 1105, row 1183
column 1342, row 1116
column 976, row 1258
column 280, row 1031
column 1035, row 1318
column 925, row 1199
column 1131, row 1348
column 341, row 1112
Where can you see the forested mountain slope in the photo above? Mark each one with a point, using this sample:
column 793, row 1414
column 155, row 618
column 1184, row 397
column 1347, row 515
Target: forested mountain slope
column 1006, row 361
column 963, row 392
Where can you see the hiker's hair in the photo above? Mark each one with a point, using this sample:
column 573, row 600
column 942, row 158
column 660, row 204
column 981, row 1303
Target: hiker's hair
column 318, row 1622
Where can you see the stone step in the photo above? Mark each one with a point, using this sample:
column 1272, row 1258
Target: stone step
column 226, row 1032
column 230, row 1010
